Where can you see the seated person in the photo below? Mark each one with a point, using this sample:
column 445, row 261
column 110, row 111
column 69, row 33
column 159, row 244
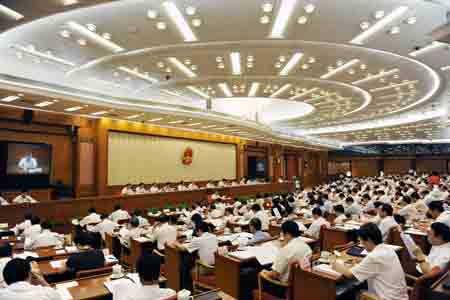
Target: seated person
column 19, row 275
column 3, row 201
column 119, row 214
column 381, row 268
column 314, row 229
column 140, row 189
column 133, row 232
column 408, row 210
column 34, row 229
column 351, row 207
column 436, row 210
column 181, row 187
column 205, row 243
column 138, row 214
column 91, row 219
column 163, row 232
column 19, row 228
column 387, row 221
column 222, row 183
column 210, row 185
column 6, row 252
column 192, row 186
column 215, row 212
column 24, row 197
column 154, row 188
column 262, row 216
column 439, row 257
column 294, row 249
column 87, row 258
column 243, row 181
column 168, row 188
column 148, row 267
column 127, row 190
column 340, row 214
column 258, row 234
column 45, row 238
column 105, row 226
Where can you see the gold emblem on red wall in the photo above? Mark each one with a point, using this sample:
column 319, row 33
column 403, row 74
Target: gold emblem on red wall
column 188, row 156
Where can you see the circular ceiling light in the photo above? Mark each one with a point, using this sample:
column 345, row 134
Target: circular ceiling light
column 187, row 61
column 190, row 10
column 264, row 20
column 364, row 25
column 302, row 20
column 196, row 22
column 309, row 8
column 267, row 7
column 379, row 14
column 219, row 59
column 91, row 27
column 152, row 14
column 394, row 30
column 106, row 36
column 82, row 42
column 312, row 60
column 411, row 20
column 161, row 25
column 65, row 34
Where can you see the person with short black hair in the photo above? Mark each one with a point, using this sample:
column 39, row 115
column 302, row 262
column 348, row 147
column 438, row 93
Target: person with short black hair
column 21, row 227
column 387, row 221
column 318, row 221
column 437, row 211
column 24, row 197
column 6, row 251
column 163, row 233
column 18, row 274
column 408, row 210
column 133, row 232
column 352, row 208
column 262, row 216
column 381, row 267
column 340, row 214
column 46, row 238
column 104, row 227
column 119, row 214
column 34, row 229
column 88, row 258
column 439, row 257
column 92, row 218
column 293, row 249
column 137, row 213
column 127, row 190
column 148, row 267
column 258, row 234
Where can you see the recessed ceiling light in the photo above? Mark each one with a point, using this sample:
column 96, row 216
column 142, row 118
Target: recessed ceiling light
column 155, row 120
column 380, row 25
column 394, row 30
column 363, row 67
column 187, row 62
column 10, row 13
column 65, row 33
column 264, row 20
column 196, row 22
column 160, row 65
column 411, row 20
column 91, row 27
column 191, row 10
column 221, row 66
column 168, row 70
column 93, row 37
column 309, row 8
column 194, row 67
column 305, row 66
column 194, row 124
column 278, row 65
column 282, row 58
column 302, row 20
column 75, row 108
column 180, row 22
column 378, row 14
column 351, row 71
column 311, row 60
column 249, row 65
column 11, row 98
column 152, row 14
column 282, row 18
column 341, row 68
column 82, row 42
column 250, row 58
column 219, row 59
column 99, row 113
column 161, row 25
column 235, row 63
column 44, row 104
column 267, row 7
column 364, row 25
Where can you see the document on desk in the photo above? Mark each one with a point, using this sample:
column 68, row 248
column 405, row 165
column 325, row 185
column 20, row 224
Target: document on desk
column 142, row 239
column 130, row 278
column 109, row 259
column 265, row 254
column 409, row 244
column 326, row 269
column 26, row 254
column 64, row 294
column 57, row 264
column 71, row 249
column 415, row 232
column 67, row 285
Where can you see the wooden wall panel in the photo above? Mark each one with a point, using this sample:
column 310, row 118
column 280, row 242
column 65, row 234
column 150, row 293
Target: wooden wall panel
column 397, row 166
column 430, row 165
column 365, row 167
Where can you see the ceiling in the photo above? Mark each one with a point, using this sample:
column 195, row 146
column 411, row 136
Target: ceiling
column 306, row 73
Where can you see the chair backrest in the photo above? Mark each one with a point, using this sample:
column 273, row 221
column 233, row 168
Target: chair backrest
column 123, row 221
column 424, row 283
column 93, row 272
column 321, row 234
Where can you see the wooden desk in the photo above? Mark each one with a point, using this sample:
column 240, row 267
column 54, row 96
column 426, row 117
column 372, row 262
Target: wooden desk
column 173, row 266
column 275, row 228
column 47, row 254
column 37, row 194
column 334, row 236
column 47, row 269
column 438, row 292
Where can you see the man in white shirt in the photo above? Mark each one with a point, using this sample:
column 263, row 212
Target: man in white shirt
column 262, row 216
column 192, row 186
column 205, row 243
column 127, row 190
column 6, row 252
column 387, row 221
column 439, row 257
column 314, row 229
column 24, row 197
column 163, row 233
column 3, row 201
column 91, row 219
column 34, row 229
column 436, row 210
column 222, row 183
column 408, row 210
column 381, row 267
column 138, row 214
column 148, row 267
column 18, row 274
column 243, row 181
column 105, row 226
column 134, row 232
column 215, row 212
column 45, row 238
column 119, row 214
column 293, row 249
column 181, row 187
column 434, row 195
column 154, row 188
column 210, row 185
column 140, row 189
column 20, row 228
column 28, row 164
column 351, row 207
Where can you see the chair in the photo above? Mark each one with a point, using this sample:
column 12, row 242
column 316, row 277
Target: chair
column 163, row 260
column 423, row 283
column 207, row 281
column 93, row 272
column 321, row 234
column 263, row 278
column 123, row 221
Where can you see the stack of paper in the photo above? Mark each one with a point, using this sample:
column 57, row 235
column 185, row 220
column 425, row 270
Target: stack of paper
column 110, row 259
column 67, row 285
column 326, row 269
column 57, row 264
column 265, row 254
column 26, row 254
column 64, row 294
column 142, row 239
column 71, row 249
column 130, row 278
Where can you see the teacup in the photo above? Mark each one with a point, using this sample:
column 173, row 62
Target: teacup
column 184, row 295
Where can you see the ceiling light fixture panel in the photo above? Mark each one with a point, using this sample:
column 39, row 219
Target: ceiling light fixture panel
column 295, row 59
column 285, row 11
column 181, row 67
column 94, row 37
column 180, row 22
column 10, row 13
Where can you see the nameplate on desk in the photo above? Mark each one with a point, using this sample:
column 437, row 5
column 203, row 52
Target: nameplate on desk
column 67, row 285
column 5, row 238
